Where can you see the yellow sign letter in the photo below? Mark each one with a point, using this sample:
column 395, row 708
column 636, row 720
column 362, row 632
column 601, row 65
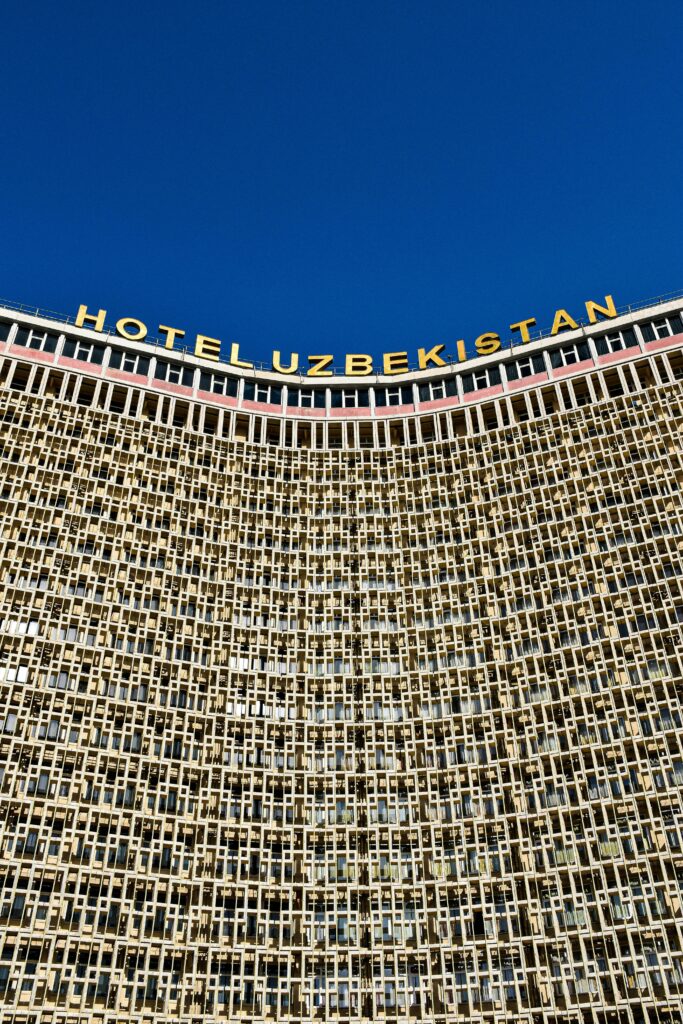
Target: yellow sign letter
column 609, row 309
column 358, row 365
column 235, row 357
column 424, row 357
column 562, row 321
column 487, row 344
column 207, row 348
column 319, row 366
column 171, row 334
column 293, row 366
column 84, row 315
column 523, row 327
column 139, row 332
column 395, row 362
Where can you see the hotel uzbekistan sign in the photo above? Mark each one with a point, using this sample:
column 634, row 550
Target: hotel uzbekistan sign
column 355, row 364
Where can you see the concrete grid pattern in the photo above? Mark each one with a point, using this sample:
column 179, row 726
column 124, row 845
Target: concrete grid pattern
column 341, row 718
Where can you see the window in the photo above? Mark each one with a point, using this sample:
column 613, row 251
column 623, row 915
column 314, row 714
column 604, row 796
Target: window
column 83, row 350
column 662, row 328
column 349, row 398
column 394, row 396
column 218, row 383
column 5, row 328
column 435, row 389
column 130, row 362
column 174, row 373
column 254, row 392
column 525, row 367
column 570, row 354
column 41, row 340
column 10, row 723
column 616, row 341
column 481, row 379
column 60, row 681
column 306, row 398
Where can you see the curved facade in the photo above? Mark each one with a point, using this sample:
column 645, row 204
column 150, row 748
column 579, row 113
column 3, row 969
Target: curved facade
column 359, row 701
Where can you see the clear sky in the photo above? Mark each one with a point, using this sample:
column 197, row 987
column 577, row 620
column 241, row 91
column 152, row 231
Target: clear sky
column 345, row 177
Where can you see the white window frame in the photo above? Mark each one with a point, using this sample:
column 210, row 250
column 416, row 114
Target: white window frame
column 614, row 342
column 569, row 350
column 662, row 328
column 34, row 335
column 525, row 367
column 480, row 380
column 83, row 351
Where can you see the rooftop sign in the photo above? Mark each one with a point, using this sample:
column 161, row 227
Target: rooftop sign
column 355, row 364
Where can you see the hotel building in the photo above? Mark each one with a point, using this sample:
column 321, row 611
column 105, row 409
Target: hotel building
column 342, row 700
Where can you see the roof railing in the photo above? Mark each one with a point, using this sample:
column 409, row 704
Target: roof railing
column 509, row 344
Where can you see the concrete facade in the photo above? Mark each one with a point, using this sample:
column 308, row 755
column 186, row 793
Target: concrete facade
column 363, row 706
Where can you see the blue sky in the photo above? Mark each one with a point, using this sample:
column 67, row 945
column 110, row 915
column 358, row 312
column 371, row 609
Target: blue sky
column 340, row 177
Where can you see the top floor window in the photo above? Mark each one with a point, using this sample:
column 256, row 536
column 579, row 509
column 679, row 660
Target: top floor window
column 131, row 362
column 525, row 367
column 570, row 354
column 218, row 383
column 432, row 390
column 394, row 396
column 305, row 398
column 174, row 373
column 349, row 398
column 84, row 350
column 664, row 327
column 5, row 328
column 616, row 341
column 481, row 379
column 40, row 340
column 254, row 392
